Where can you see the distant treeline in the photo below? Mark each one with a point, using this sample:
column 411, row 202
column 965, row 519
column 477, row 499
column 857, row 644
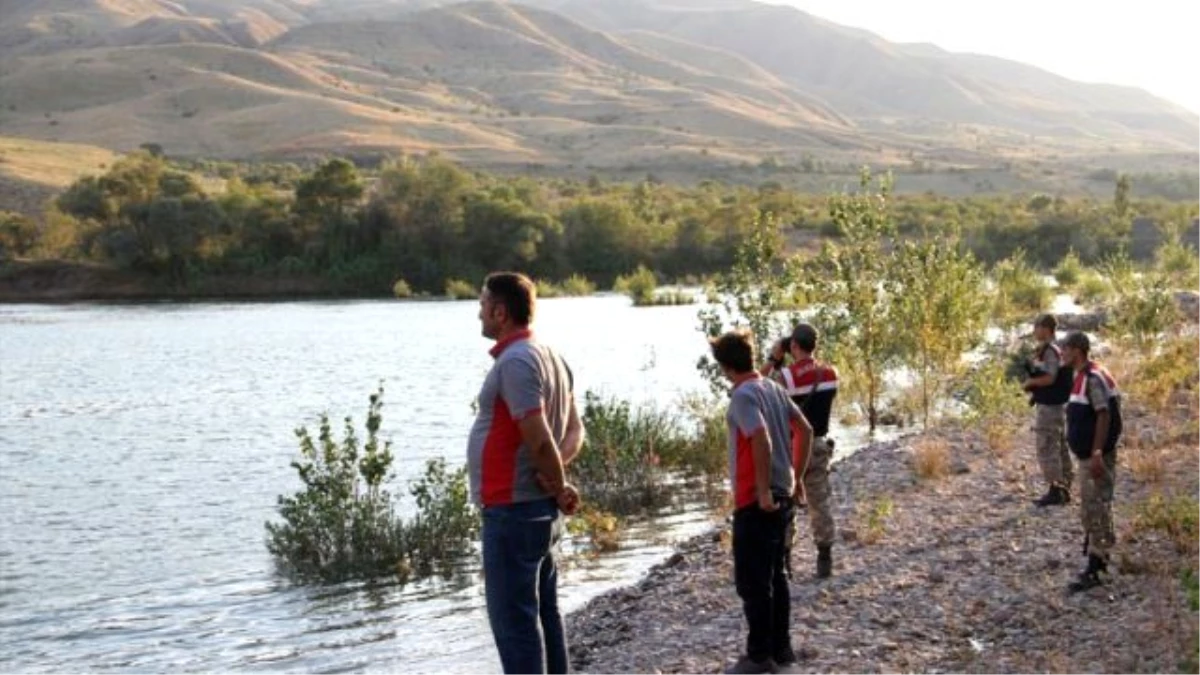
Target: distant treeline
column 427, row 221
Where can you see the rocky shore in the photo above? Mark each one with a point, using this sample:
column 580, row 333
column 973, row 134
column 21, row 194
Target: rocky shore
column 960, row 573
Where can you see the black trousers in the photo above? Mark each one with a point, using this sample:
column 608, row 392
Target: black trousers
column 760, row 573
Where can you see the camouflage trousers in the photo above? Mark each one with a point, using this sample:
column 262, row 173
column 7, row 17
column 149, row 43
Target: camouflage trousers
column 1096, row 496
column 1050, row 428
column 816, row 490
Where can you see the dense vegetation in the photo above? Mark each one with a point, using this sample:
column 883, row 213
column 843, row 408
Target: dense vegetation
column 429, row 222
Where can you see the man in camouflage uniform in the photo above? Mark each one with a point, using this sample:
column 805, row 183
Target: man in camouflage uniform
column 1049, row 384
column 813, row 387
column 1093, row 429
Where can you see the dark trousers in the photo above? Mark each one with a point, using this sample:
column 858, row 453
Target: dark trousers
column 759, row 570
column 521, row 585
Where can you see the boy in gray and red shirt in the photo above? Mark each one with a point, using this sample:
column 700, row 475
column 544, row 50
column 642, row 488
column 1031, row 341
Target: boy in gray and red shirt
column 764, row 480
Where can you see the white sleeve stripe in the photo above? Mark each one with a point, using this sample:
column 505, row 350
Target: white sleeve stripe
column 828, row 385
column 788, row 382
column 800, row 391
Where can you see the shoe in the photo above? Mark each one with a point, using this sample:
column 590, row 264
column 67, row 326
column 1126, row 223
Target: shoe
column 1055, row 496
column 746, row 665
column 786, row 662
column 824, row 561
column 1089, row 578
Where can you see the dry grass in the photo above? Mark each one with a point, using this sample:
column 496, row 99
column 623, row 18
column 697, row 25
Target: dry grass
column 53, row 165
column 931, row 457
column 1147, row 463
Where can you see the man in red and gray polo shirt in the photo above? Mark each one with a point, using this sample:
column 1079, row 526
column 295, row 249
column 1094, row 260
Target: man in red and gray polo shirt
column 764, row 479
column 526, row 431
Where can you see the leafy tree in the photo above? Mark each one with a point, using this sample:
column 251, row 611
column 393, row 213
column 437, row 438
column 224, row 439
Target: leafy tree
column 848, row 284
column 941, row 310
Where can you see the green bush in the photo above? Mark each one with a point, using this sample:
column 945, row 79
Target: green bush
column 547, row 289
column 577, row 285
column 1092, row 289
column 342, row 524
column 621, row 468
column 639, row 286
column 1069, row 270
column 401, row 289
column 1021, row 292
column 457, row 289
column 1178, row 264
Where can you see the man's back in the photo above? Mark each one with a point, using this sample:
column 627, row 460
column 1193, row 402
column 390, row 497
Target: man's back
column 527, row 378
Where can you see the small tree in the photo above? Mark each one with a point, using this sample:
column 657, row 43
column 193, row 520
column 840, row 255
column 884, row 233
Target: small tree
column 753, row 294
column 941, row 310
column 848, row 282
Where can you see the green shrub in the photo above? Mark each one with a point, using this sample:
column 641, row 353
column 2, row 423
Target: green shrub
column 577, row 285
column 457, row 289
column 401, row 289
column 1069, row 270
column 995, row 399
column 1178, row 264
column 639, row 286
column 621, row 467
column 547, row 289
column 1092, row 289
column 342, row 524
column 1021, row 292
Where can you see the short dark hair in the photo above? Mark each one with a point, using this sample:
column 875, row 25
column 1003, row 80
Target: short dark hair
column 805, row 337
column 735, row 350
column 1079, row 340
column 516, row 292
column 1047, row 321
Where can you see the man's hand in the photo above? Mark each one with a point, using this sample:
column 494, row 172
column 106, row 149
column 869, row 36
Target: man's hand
column 1097, row 466
column 766, row 502
column 568, row 500
column 777, row 350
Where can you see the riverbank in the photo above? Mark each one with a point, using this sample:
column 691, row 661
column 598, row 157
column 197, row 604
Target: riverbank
column 64, row 281
column 959, row 574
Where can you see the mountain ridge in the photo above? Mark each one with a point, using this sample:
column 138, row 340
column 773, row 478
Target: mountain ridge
column 555, row 83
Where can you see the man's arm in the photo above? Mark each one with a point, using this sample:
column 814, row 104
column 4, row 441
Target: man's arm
column 544, row 452
column 760, row 444
column 573, row 440
column 800, row 424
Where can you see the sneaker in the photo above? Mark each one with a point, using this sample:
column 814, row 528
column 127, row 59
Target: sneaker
column 746, row 665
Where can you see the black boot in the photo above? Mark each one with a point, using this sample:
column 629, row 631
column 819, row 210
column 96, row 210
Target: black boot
column 824, row 561
column 1090, row 576
column 1055, row 496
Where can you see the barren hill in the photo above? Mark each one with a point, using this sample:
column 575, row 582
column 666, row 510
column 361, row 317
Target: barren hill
column 634, row 84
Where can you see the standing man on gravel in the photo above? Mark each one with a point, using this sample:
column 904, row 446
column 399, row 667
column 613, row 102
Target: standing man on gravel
column 765, row 482
column 1049, row 384
column 527, row 429
column 1093, row 429
column 812, row 386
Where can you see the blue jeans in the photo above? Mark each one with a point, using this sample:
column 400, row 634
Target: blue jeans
column 520, row 578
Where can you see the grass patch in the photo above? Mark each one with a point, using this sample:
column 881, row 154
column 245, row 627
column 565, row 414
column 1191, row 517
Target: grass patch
column 931, row 458
column 1177, row 516
column 872, row 518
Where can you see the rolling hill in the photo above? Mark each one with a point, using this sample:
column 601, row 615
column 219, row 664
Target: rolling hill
column 570, row 84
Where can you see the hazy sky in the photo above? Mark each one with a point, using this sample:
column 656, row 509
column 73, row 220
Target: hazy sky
column 1144, row 43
